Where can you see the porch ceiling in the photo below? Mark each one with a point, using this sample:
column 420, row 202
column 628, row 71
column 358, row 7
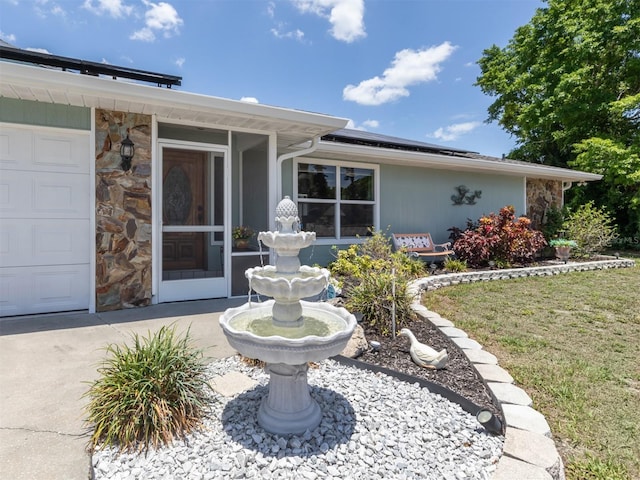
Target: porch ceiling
column 40, row 84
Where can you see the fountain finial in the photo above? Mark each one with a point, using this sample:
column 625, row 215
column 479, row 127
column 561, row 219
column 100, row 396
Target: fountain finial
column 287, row 219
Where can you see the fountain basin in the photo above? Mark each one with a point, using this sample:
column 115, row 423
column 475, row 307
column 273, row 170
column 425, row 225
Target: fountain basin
column 304, row 283
column 287, row 244
column 288, row 345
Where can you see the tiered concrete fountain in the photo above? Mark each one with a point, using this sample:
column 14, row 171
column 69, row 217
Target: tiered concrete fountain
column 287, row 332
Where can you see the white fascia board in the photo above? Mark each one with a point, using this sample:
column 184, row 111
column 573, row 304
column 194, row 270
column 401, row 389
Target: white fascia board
column 86, row 87
column 446, row 162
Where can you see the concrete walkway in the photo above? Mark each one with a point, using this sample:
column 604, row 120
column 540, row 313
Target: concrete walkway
column 46, row 363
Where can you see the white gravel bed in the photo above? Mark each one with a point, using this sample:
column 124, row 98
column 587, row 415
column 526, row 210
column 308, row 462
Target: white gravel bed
column 373, row 427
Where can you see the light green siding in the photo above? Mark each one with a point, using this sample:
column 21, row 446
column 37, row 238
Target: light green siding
column 45, row 114
column 190, row 134
column 414, row 200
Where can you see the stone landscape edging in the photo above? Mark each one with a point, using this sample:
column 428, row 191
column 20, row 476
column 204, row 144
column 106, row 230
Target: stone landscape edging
column 529, row 451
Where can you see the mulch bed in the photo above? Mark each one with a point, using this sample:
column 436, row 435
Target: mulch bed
column 459, row 375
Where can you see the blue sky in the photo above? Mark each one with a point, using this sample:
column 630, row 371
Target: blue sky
column 396, row 67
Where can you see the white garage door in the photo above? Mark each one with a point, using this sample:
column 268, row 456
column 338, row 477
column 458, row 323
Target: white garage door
column 44, row 220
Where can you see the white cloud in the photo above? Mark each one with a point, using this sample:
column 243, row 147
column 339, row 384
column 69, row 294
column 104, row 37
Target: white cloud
column 180, row 62
column 409, row 67
column 346, row 16
column 271, row 9
column 8, row 37
column 296, row 34
column 38, row 50
column 249, row 100
column 113, row 8
column 59, row 11
column 161, row 17
column 144, row 34
column 453, row 132
column 364, row 126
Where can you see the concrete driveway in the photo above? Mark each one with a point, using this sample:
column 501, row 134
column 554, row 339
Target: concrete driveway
column 46, row 364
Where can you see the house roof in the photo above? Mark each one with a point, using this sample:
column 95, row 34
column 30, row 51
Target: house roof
column 361, row 137
column 48, row 85
column 362, row 146
column 30, row 81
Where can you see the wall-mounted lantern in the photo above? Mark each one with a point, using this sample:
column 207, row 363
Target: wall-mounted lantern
column 127, row 149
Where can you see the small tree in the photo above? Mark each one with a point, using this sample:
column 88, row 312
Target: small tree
column 592, row 229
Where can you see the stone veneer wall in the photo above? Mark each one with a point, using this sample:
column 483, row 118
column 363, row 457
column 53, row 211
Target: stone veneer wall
column 542, row 194
column 123, row 212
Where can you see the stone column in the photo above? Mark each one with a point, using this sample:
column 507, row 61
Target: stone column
column 123, row 212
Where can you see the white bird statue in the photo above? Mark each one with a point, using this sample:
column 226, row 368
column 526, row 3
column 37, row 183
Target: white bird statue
column 423, row 355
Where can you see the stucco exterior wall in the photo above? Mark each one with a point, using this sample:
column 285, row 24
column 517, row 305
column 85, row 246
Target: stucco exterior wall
column 123, row 212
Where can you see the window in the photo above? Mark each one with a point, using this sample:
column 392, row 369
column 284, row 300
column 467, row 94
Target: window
column 337, row 200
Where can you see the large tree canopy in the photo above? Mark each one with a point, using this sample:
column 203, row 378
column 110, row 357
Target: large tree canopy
column 567, row 86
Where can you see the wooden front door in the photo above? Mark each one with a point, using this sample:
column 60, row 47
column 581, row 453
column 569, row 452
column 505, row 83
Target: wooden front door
column 184, row 203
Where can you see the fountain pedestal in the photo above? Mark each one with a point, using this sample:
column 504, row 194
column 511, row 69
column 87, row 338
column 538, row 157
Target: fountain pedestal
column 288, row 408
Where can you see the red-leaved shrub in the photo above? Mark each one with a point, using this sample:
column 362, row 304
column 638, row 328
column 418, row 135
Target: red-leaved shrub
column 500, row 238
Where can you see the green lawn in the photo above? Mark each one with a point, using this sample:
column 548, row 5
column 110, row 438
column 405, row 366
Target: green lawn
column 572, row 342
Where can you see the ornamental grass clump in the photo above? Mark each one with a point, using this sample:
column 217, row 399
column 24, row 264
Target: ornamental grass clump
column 148, row 393
column 374, row 281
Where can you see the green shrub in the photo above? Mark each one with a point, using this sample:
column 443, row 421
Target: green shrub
column 502, row 238
column 149, row 393
column 592, row 229
column 365, row 272
column 554, row 217
column 455, row 265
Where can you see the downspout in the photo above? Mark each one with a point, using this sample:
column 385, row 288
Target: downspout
column 287, row 156
column 565, row 186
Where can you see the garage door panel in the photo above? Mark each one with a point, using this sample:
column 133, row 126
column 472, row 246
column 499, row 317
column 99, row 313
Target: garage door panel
column 12, row 288
column 44, row 242
column 51, row 150
column 62, row 152
column 16, row 147
column 64, row 195
column 43, row 195
column 29, row 290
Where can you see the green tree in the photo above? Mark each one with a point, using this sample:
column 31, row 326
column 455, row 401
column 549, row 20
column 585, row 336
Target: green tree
column 567, row 86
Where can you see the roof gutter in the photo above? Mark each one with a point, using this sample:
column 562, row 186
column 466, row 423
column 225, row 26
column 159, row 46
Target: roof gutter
column 452, row 162
column 286, row 156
